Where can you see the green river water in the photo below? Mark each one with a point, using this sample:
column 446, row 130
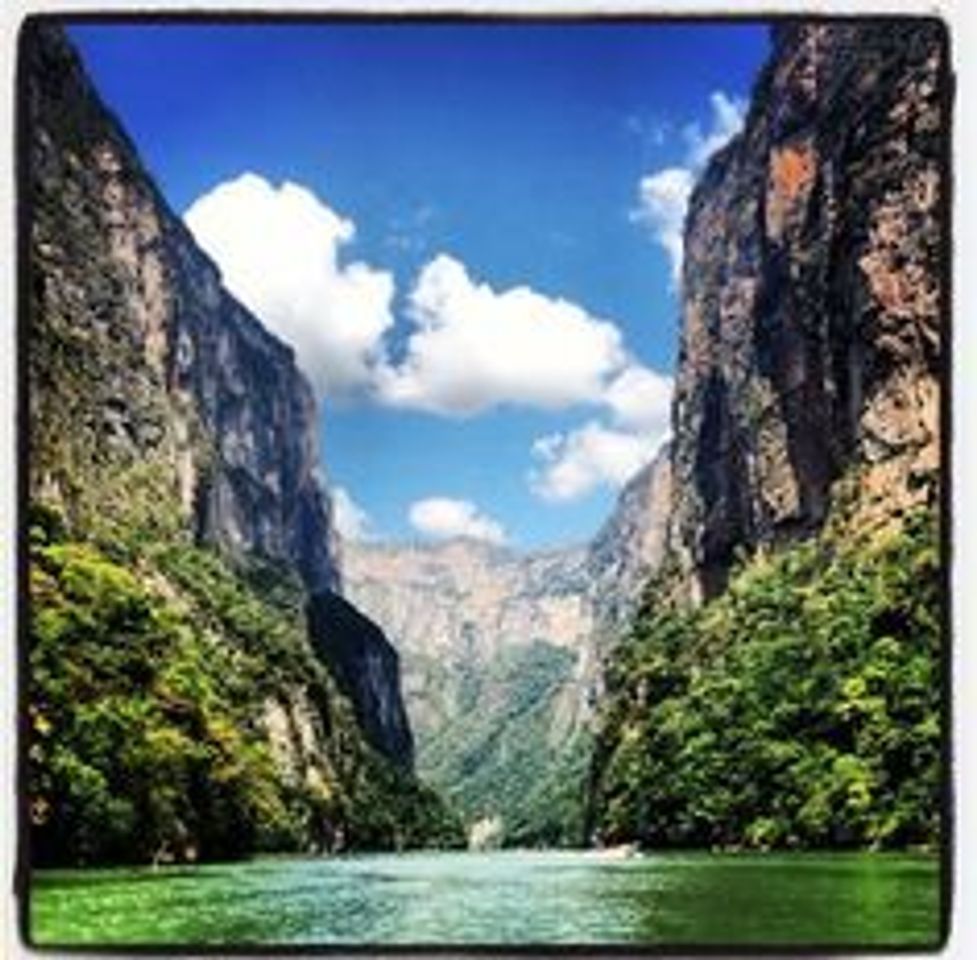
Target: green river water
column 499, row 898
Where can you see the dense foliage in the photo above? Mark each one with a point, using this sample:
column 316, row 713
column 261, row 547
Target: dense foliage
column 151, row 676
column 801, row 708
column 504, row 740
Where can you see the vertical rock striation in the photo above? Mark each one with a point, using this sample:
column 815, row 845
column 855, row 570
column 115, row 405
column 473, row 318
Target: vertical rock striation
column 812, row 296
column 138, row 354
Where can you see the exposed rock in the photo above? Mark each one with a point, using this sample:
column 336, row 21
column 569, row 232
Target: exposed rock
column 367, row 669
column 161, row 408
column 451, row 608
column 631, row 544
column 138, row 354
column 812, row 296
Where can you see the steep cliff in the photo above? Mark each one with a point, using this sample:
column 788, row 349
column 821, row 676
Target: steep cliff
column 812, row 296
column 367, row 669
column 177, row 526
column 631, row 545
column 780, row 685
column 138, row 354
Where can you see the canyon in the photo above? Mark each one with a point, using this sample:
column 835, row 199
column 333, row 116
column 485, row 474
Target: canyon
column 172, row 446
column 501, row 653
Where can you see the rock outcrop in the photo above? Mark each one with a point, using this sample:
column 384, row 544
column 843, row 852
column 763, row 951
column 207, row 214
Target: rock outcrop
column 813, row 296
column 631, row 545
column 138, row 354
column 367, row 669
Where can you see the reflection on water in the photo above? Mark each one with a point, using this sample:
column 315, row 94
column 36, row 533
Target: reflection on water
column 499, row 898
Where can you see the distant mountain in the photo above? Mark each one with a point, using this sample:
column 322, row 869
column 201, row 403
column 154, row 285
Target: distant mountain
column 501, row 654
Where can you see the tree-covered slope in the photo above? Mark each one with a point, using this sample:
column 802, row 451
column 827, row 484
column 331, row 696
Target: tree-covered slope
column 177, row 710
column 506, row 756
column 800, row 708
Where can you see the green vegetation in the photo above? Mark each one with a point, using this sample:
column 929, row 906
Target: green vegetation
column 155, row 675
column 509, row 736
column 801, row 708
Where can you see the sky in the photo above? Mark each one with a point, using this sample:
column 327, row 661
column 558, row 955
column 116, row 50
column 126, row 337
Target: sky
column 470, row 234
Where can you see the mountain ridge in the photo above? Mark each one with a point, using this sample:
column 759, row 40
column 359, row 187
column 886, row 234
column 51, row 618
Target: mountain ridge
column 468, row 617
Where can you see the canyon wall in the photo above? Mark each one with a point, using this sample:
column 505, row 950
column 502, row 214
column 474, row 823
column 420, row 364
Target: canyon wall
column 163, row 418
column 812, row 296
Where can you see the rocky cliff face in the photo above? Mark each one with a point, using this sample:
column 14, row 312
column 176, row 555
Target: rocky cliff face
column 631, row 545
column 367, row 669
column 137, row 352
column 163, row 414
column 812, row 297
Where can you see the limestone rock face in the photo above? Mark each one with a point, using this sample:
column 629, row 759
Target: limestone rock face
column 631, row 544
column 812, row 296
column 458, row 605
column 138, row 354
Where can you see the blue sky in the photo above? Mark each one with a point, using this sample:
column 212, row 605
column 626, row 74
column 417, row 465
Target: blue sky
column 469, row 233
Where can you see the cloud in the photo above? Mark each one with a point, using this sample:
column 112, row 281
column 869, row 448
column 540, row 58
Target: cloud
column 577, row 462
column 572, row 464
column 663, row 196
column 728, row 114
column 351, row 520
column 640, row 399
column 473, row 347
column 443, row 517
column 279, row 252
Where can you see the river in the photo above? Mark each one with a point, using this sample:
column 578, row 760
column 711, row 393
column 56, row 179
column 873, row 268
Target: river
column 540, row 898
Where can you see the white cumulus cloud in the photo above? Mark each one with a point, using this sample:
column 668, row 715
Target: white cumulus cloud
column 609, row 450
column 443, row 517
column 663, row 196
column 728, row 114
column 640, row 399
column 279, row 252
column 573, row 464
column 351, row 520
column 473, row 347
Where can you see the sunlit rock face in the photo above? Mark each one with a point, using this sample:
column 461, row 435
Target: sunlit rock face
column 139, row 354
column 812, row 296
column 630, row 546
